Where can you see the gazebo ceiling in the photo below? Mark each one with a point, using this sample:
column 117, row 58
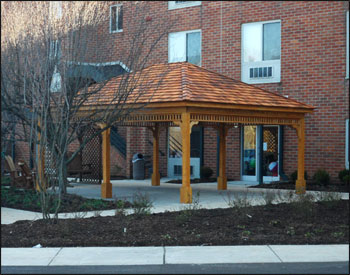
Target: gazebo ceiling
column 184, row 82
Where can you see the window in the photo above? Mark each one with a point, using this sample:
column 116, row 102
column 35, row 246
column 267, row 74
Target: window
column 261, row 52
column 347, row 44
column 55, row 49
column 56, row 9
column 56, row 81
column 185, row 46
column 182, row 4
column 347, row 149
column 116, row 19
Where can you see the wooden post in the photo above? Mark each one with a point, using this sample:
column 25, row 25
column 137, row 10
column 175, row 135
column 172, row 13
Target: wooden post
column 186, row 190
column 300, row 184
column 222, row 179
column 155, row 175
column 106, row 186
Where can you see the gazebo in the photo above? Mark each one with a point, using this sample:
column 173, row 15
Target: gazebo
column 184, row 95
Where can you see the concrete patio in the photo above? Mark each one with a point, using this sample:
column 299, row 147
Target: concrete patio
column 164, row 197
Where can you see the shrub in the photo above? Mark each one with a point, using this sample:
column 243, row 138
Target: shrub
column 294, row 176
column 141, row 204
column 5, row 181
column 321, row 177
column 344, row 176
column 206, row 172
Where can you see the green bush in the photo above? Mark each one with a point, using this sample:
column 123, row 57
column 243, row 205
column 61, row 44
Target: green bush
column 294, row 176
column 347, row 179
column 321, row 177
column 344, row 176
column 206, row 172
column 5, row 181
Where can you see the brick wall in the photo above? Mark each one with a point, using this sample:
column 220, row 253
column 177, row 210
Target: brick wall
column 313, row 50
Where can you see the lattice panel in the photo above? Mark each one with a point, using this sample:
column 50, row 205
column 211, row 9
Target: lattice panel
column 92, row 155
column 271, row 138
column 50, row 164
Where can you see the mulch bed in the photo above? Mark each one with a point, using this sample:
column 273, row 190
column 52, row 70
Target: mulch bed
column 310, row 185
column 293, row 223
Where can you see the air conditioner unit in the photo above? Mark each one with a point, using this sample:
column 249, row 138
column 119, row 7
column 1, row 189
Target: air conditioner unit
column 260, row 72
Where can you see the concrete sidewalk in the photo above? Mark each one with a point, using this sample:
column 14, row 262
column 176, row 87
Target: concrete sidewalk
column 165, row 198
column 76, row 256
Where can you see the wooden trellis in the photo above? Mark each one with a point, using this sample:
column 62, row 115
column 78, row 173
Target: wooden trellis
column 92, row 158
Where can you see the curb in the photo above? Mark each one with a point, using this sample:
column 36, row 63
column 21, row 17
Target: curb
column 159, row 255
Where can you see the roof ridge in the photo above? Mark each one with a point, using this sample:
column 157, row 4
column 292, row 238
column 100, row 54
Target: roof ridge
column 186, row 93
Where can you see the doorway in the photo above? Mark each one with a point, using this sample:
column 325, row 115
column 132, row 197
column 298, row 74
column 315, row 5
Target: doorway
column 250, row 152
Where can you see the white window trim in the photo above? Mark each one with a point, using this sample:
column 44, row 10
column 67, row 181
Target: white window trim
column 347, row 143
column 347, row 45
column 276, row 64
column 186, row 32
column 110, row 19
column 172, row 5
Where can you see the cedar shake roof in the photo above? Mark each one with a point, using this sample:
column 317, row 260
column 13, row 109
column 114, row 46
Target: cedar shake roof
column 183, row 81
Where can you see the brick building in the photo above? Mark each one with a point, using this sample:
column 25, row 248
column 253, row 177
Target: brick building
column 297, row 49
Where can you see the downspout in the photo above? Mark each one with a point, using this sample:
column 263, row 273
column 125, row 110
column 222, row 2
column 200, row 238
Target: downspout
column 260, row 145
column 220, row 70
column 201, row 146
column 221, row 37
column 217, row 153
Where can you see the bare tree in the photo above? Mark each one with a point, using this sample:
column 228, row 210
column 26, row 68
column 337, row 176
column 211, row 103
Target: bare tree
column 44, row 85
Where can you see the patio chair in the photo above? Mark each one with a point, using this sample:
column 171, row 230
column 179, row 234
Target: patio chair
column 76, row 166
column 28, row 174
column 17, row 179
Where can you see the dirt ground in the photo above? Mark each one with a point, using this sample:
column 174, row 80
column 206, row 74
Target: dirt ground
column 293, row 223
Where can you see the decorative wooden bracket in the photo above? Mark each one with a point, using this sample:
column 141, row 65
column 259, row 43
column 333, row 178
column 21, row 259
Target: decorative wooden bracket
column 155, row 130
column 192, row 123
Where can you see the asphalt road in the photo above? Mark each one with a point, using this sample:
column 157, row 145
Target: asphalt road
column 258, row 268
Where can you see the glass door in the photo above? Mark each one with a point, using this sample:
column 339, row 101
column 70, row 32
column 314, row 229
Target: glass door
column 249, row 155
column 270, row 153
column 175, row 152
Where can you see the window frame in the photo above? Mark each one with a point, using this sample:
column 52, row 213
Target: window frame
column 117, row 19
column 185, row 33
column 246, row 66
column 172, row 5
